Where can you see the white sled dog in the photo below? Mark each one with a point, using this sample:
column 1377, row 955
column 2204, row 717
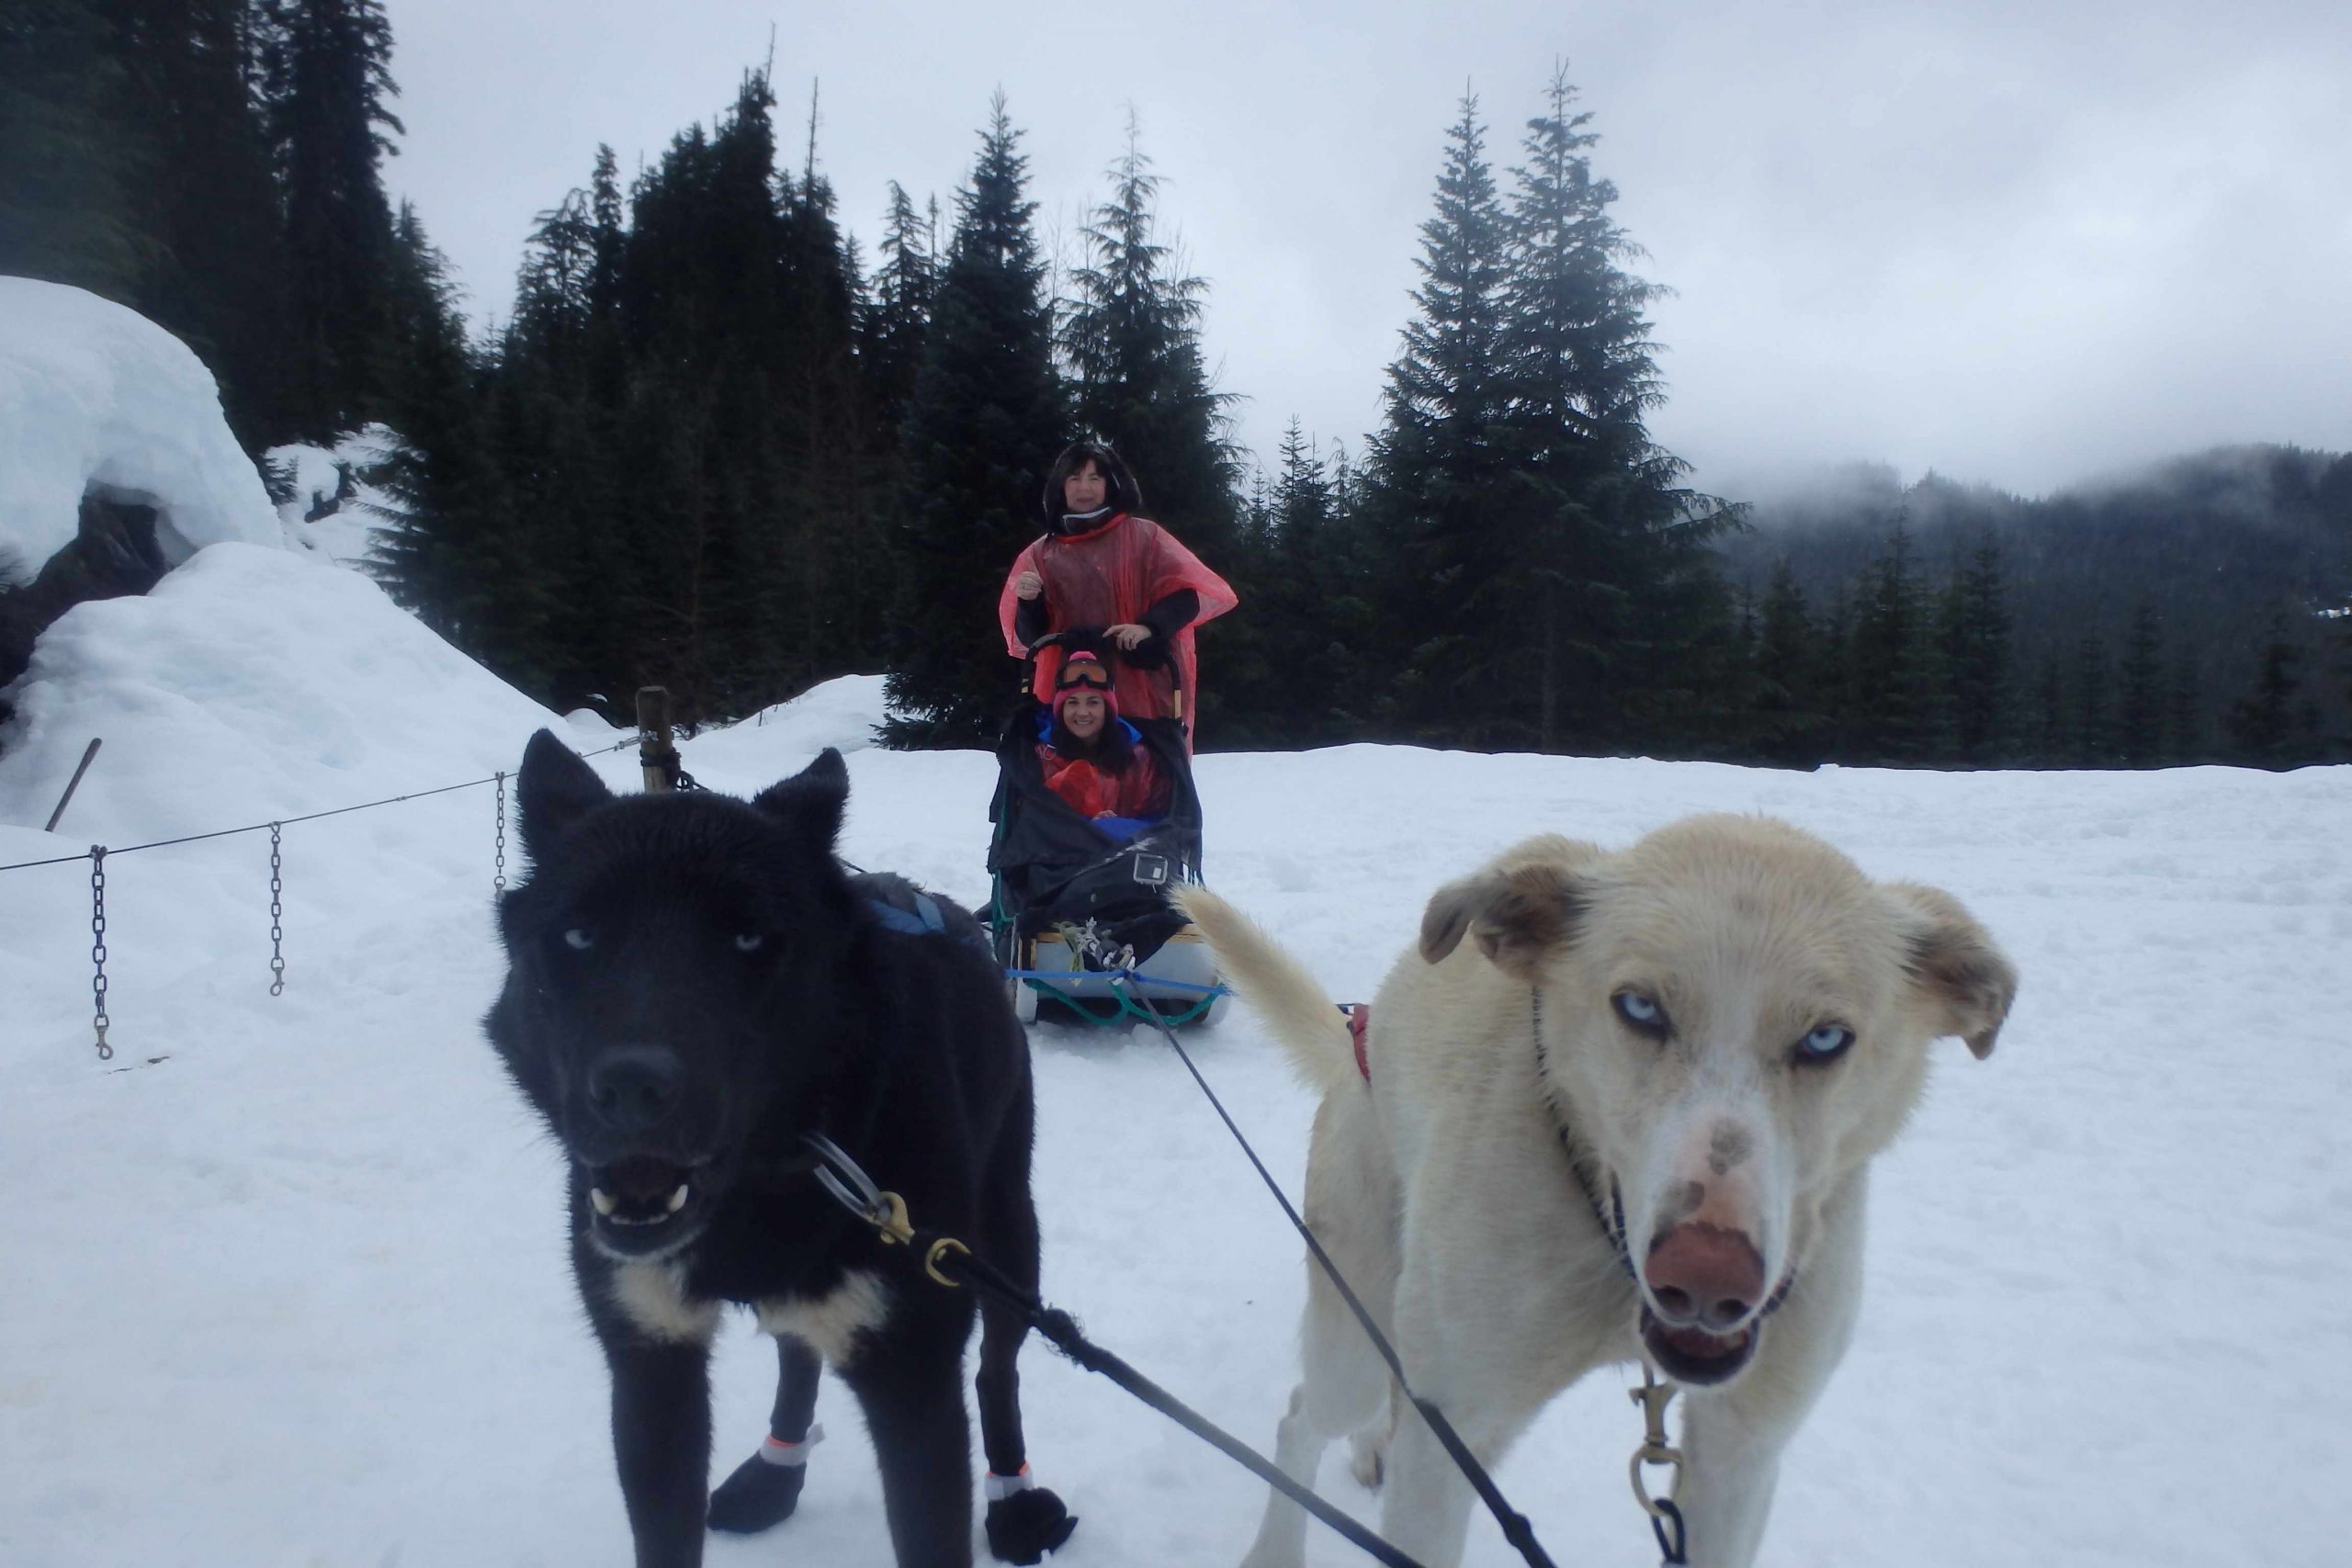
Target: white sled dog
column 1632, row 1117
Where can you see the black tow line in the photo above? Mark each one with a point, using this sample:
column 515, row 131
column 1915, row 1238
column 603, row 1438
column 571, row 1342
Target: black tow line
column 1515, row 1528
column 949, row 1262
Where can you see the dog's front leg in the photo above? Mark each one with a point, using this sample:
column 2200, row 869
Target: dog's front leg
column 911, row 1390
column 662, row 1439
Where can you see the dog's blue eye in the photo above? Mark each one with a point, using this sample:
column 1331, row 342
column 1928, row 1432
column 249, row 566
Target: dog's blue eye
column 1825, row 1044
column 1642, row 1012
column 580, row 939
column 748, row 941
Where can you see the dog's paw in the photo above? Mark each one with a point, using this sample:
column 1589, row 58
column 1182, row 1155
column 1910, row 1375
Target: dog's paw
column 758, row 1496
column 1027, row 1525
column 1367, row 1461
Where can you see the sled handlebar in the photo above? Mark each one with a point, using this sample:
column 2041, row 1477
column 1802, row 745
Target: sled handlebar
column 1101, row 644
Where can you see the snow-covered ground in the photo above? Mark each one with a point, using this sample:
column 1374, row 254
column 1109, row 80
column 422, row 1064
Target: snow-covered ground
column 296, row 1293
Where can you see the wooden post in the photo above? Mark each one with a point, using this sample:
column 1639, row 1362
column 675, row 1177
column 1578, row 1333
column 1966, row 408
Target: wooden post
column 75, row 783
column 655, row 752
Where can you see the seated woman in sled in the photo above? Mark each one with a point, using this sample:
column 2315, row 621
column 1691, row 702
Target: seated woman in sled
column 1093, row 758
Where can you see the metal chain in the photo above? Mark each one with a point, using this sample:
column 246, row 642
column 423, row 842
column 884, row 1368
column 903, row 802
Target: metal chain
column 498, row 881
column 98, row 947
column 277, row 919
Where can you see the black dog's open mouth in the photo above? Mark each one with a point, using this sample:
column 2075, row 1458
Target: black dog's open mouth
column 642, row 1203
column 1693, row 1355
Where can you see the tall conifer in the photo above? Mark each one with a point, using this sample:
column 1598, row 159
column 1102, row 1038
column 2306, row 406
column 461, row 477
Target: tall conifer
column 987, row 418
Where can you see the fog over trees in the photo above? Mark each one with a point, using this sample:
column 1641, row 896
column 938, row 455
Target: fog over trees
column 716, row 444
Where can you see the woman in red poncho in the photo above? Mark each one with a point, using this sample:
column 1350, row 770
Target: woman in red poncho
column 1092, row 757
column 1100, row 565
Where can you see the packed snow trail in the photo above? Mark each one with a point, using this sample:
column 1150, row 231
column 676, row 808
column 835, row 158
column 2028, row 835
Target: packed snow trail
column 298, row 1293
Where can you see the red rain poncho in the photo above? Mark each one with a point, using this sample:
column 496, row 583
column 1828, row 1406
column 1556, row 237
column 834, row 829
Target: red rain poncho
column 1091, row 792
column 1110, row 577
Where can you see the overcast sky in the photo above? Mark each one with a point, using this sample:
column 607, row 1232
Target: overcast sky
column 2019, row 242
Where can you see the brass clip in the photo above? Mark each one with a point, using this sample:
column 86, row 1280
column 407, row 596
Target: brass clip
column 1653, row 1396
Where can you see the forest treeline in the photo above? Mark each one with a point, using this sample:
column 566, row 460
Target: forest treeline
column 717, row 445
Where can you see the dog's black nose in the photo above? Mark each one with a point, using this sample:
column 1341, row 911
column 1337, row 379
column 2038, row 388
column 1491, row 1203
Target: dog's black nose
column 635, row 1087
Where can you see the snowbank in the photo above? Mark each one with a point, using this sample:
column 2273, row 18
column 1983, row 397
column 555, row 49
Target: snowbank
column 93, row 395
column 298, row 1292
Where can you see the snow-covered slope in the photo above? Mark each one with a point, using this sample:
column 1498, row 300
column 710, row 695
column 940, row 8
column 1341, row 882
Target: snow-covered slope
column 93, row 395
column 296, row 1292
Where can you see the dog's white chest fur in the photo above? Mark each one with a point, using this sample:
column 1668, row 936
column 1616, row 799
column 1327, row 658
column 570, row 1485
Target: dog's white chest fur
column 830, row 1324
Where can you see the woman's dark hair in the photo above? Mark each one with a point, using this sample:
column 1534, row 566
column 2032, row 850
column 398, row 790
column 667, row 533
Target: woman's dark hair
column 1124, row 493
column 1113, row 751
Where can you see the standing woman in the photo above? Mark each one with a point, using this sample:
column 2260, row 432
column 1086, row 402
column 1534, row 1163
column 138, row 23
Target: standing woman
column 1098, row 564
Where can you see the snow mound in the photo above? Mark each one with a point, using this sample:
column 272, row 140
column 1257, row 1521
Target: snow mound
column 94, row 396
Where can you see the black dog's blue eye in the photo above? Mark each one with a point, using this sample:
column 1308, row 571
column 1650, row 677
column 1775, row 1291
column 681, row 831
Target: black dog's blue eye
column 1826, row 1043
column 748, row 941
column 1640, row 1010
column 580, row 939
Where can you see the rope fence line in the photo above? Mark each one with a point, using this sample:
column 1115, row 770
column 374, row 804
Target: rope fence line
column 290, row 821
column 98, row 855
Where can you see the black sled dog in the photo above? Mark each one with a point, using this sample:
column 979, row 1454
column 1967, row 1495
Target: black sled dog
column 694, row 983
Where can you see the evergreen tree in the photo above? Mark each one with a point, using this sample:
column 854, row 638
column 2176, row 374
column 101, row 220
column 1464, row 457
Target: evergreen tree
column 1977, row 654
column 987, row 417
column 2094, row 726
column 1438, row 477
column 2268, row 720
column 72, row 166
column 1787, row 667
column 1132, row 337
column 898, row 315
column 1893, row 676
column 2140, row 728
column 326, row 84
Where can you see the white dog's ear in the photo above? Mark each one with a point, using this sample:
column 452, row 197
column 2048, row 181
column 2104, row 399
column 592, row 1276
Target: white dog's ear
column 1969, row 982
column 1521, row 910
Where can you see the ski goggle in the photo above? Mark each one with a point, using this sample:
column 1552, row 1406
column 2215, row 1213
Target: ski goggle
column 1083, row 671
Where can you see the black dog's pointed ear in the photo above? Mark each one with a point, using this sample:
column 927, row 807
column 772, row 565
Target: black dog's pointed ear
column 811, row 799
column 553, row 790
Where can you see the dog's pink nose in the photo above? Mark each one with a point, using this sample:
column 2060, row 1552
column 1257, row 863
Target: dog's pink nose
column 1703, row 1276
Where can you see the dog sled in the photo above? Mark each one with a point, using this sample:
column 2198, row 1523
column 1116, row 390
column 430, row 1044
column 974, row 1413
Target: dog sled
column 1079, row 909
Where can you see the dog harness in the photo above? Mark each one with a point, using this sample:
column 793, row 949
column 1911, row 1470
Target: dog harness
column 923, row 919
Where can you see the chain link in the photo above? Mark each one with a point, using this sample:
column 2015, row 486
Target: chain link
column 98, row 947
column 498, row 881
column 277, row 919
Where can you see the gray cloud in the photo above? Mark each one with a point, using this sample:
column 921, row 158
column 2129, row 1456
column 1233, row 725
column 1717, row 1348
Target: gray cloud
column 2019, row 242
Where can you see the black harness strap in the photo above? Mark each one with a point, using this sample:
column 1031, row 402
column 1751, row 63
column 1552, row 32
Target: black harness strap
column 1515, row 1528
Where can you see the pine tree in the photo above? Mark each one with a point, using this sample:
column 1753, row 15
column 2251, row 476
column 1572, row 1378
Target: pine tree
column 1977, row 651
column 1132, row 337
column 1437, row 476
column 1893, row 678
column 2140, row 740
column 987, row 418
column 897, row 319
column 2094, row 726
column 326, row 82
column 2266, row 724
column 72, row 166
column 1788, row 664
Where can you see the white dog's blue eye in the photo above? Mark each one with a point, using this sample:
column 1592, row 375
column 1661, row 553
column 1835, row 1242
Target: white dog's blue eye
column 1825, row 1044
column 580, row 939
column 1642, row 1012
column 748, row 941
